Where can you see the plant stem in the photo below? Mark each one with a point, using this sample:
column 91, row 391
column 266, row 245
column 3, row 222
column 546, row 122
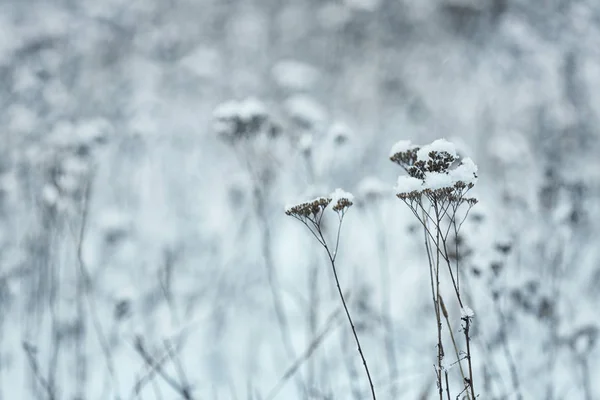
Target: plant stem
column 360, row 351
column 337, row 281
column 468, row 339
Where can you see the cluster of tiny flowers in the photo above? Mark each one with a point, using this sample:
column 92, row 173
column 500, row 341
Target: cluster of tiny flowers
column 243, row 119
column 309, row 208
column 340, row 199
column 432, row 170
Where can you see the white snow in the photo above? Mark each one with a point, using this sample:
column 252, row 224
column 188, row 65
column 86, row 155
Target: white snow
column 437, row 180
column 408, row 184
column 245, row 109
column 440, row 145
column 466, row 312
column 466, row 172
column 305, row 143
column 250, row 108
column 401, row 146
column 226, row 110
column 339, row 194
column 288, row 207
column 447, row 364
column 339, row 131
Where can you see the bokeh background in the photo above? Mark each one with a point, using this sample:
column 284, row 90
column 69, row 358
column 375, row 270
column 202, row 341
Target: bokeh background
column 144, row 255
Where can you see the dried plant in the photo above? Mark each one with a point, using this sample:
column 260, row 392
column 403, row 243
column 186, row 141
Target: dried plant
column 435, row 190
column 311, row 215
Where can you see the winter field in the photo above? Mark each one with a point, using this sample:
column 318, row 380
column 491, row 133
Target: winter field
column 299, row 199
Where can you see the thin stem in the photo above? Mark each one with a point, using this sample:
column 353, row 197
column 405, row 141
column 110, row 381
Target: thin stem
column 468, row 340
column 86, row 283
column 360, row 351
column 183, row 391
column 437, row 305
column 48, row 387
column 337, row 281
column 386, row 309
column 462, row 373
column 337, row 239
column 273, row 280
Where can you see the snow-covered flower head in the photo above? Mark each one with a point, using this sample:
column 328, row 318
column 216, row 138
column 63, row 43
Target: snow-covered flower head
column 243, row 119
column 404, row 153
column 340, row 133
column 418, row 160
column 340, row 199
column 432, row 170
column 305, row 143
column 306, row 209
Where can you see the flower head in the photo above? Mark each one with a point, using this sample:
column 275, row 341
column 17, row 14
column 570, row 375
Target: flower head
column 242, row 119
column 341, row 200
column 431, row 171
column 309, row 208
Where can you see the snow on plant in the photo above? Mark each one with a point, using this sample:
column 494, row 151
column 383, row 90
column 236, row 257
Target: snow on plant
column 244, row 119
column 436, row 190
column 311, row 214
column 252, row 132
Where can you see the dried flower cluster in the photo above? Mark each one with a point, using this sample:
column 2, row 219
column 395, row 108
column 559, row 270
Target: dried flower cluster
column 435, row 190
column 434, row 171
column 311, row 215
column 245, row 119
column 309, row 208
column 341, row 201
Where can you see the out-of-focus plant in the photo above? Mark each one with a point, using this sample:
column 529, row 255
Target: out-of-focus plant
column 254, row 134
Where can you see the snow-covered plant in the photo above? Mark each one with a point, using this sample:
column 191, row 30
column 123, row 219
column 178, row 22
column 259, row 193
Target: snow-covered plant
column 244, row 119
column 436, row 191
column 254, row 135
column 311, row 215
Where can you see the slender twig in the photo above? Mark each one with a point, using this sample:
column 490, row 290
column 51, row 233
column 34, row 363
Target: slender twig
column 470, row 364
column 273, row 280
column 308, row 352
column 182, row 390
column 86, row 282
column 456, row 351
column 47, row 386
column 437, row 309
column 341, row 294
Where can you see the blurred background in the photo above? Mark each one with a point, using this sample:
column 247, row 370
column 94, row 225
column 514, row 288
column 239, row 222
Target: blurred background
column 144, row 249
